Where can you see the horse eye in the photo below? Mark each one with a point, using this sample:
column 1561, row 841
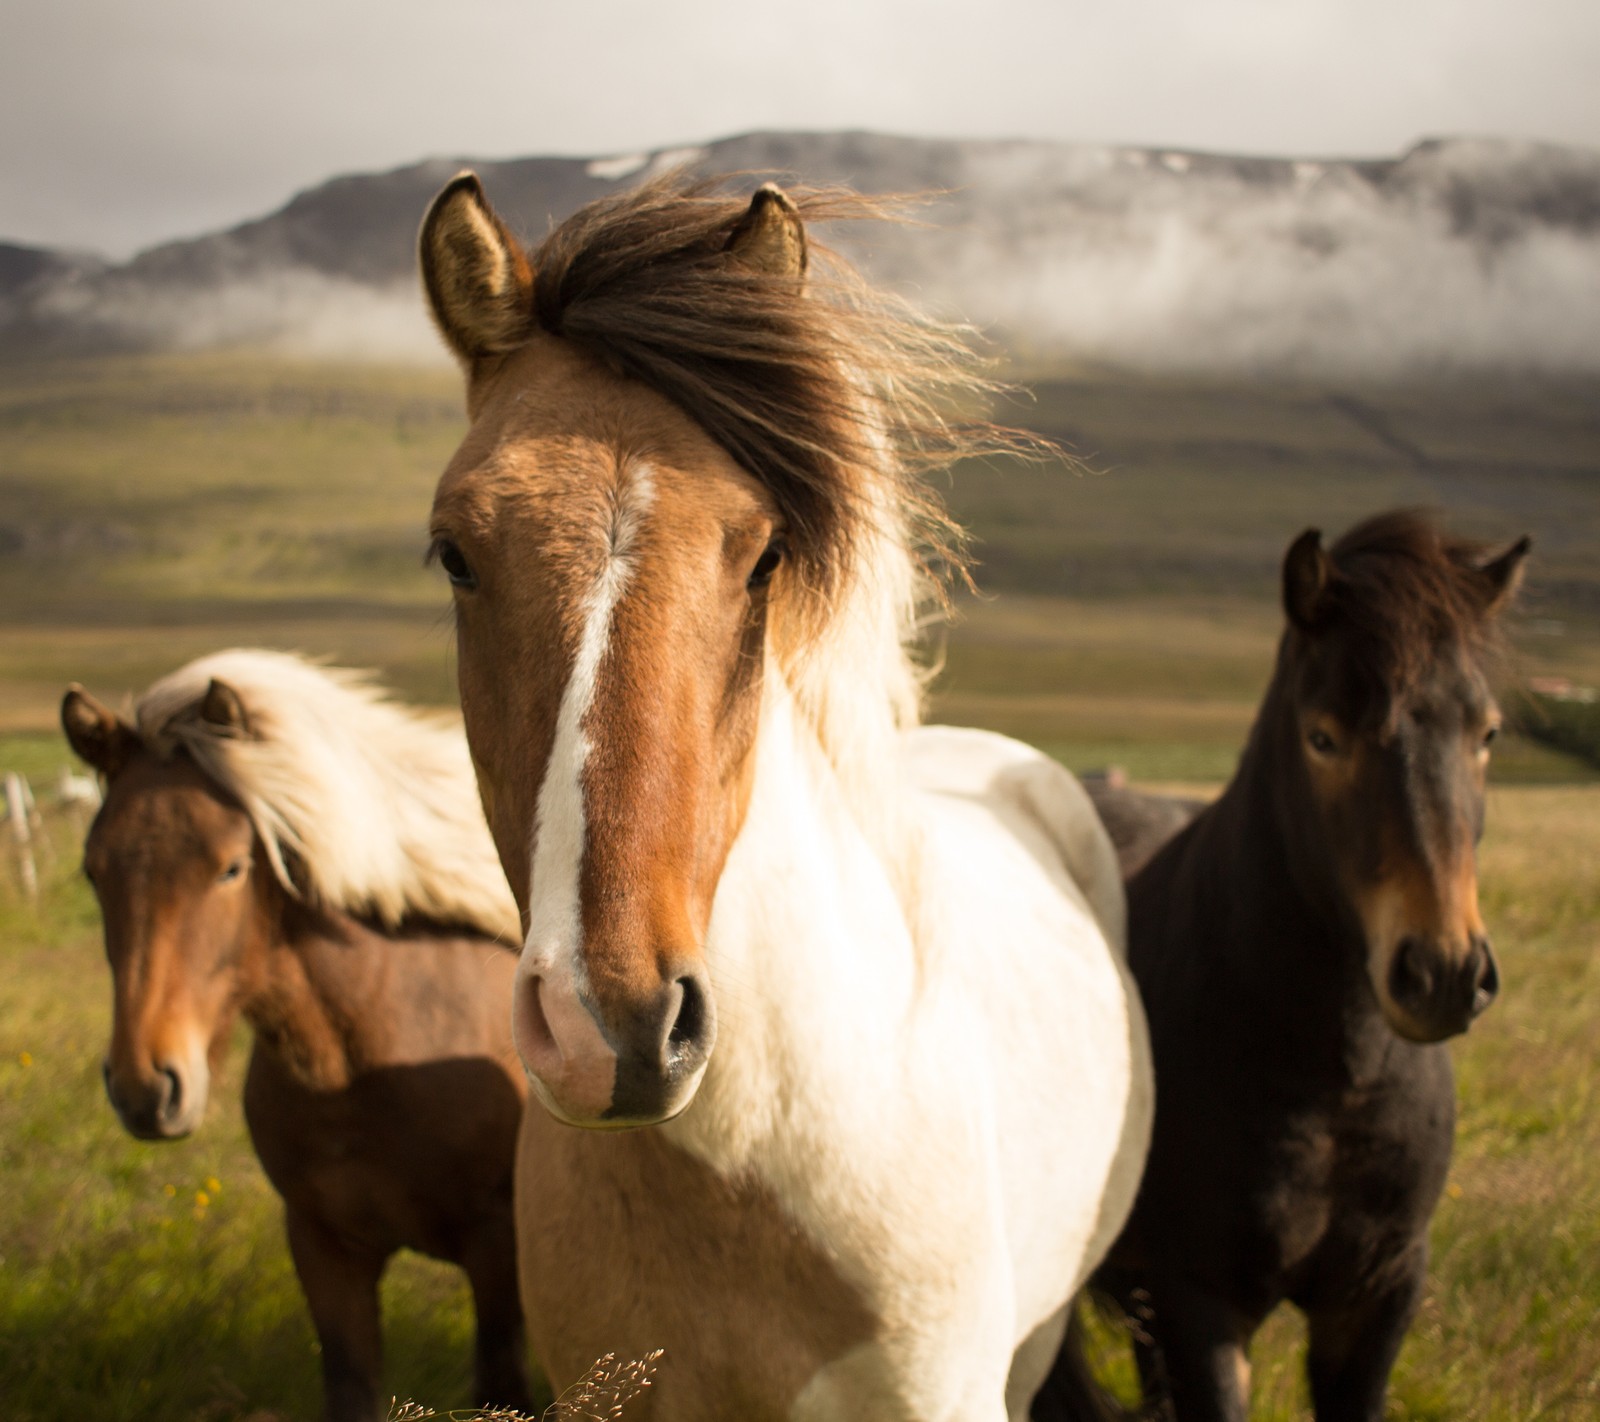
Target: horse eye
column 1321, row 742
column 454, row 563
column 1490, row 735
column 766, row 566
column 232, row 872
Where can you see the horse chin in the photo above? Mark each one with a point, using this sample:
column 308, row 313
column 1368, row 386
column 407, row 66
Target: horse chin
column 611, row 1118
column 1423, row 1034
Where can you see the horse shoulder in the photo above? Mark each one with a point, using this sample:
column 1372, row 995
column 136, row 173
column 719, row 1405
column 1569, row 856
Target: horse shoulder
column 1037, row 798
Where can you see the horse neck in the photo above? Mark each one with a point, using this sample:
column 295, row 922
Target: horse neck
column 856, row 688
column 316, row 997
column 809, row 944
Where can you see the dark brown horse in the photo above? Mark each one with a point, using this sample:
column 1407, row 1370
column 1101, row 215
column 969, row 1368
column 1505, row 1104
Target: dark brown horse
column 1303, row 948
column 258, row 853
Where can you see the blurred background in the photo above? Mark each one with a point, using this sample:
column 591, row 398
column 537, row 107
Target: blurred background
column 1258, row 264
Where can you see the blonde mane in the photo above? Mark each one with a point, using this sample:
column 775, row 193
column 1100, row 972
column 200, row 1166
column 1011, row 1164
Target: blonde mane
column 363, row 805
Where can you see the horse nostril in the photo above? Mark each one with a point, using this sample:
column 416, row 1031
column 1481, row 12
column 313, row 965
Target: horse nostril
column 172, row 1094
column 691, row 1014
column 1488, row 976
column 1410, row 977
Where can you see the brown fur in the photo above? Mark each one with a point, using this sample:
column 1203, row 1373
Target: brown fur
column 383, row 1095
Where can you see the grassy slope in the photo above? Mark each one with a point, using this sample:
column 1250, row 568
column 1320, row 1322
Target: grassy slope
column 152, row 510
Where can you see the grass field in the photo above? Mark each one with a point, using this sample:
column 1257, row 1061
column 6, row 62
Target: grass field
column 155, row 509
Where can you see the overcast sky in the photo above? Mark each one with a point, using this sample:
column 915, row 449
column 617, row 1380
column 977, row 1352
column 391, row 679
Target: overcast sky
column 125, row 122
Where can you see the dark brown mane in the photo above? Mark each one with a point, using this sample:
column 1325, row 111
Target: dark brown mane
column 1405, row 592
column 837, row 398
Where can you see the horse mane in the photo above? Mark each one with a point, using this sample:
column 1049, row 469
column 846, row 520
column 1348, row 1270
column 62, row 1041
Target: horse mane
column 363, row 805
column 1404, row 592
column 838, row 397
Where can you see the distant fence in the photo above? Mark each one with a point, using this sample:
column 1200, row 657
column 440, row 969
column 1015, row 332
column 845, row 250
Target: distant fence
column 24, row 823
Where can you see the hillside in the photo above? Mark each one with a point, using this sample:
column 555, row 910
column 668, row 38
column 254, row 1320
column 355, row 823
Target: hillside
column 1474, row 255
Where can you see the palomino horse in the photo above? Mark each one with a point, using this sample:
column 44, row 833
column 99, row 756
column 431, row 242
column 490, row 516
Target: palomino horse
column 1302, row 949
column 862, row 990
column 279, row 841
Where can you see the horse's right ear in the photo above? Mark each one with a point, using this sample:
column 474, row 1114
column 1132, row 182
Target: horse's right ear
column 94, row 731
column 1307, row 571
column 479, row 283
column 223, row 708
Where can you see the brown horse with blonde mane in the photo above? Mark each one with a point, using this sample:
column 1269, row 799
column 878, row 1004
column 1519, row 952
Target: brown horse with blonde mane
column 1303, row 949
column 280, row 842
column 815, row 981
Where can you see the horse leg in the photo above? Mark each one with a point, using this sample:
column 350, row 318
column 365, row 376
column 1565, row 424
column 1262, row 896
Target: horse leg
column 499, row 1372
column 341, row 1289
column 1352, row 1350
column 1200, row 1347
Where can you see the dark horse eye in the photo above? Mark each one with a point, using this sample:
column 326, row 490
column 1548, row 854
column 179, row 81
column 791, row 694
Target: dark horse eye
column 1321, row 742
column 1490, row 734
column 766, row 565
column 232, row 872
column 454, row 564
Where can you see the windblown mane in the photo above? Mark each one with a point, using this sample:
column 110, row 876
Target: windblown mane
column 1406, row 592
column 839, row 399
column 363, row 805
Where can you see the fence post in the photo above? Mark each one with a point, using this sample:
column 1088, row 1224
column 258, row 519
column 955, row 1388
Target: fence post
column 19, row 803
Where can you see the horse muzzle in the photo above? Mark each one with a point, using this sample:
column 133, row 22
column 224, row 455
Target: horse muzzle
column 1433, row 993
column 637, row 1065
column 165, row 1105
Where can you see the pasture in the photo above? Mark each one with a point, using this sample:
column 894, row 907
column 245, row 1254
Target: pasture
column 153, row 509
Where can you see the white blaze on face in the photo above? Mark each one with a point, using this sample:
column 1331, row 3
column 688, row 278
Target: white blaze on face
column 553, row 948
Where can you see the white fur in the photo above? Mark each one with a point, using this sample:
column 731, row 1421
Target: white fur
column 956, row 1103
column 555, row 933
column 378, row 803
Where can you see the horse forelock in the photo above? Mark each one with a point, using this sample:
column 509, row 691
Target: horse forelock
column 375, row 804
column 1405, row 605
column 837, row 398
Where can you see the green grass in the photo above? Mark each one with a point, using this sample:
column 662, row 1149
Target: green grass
column 152, row 510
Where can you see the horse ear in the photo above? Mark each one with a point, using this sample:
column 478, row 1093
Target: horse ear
column 1501, row 576
column 478, row 280
column 1307, row 571
column 222, row 707
column 770, row 238
column 95, row 733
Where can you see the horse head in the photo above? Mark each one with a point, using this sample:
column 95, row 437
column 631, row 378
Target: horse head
column 172, row 860
column 1389, row 721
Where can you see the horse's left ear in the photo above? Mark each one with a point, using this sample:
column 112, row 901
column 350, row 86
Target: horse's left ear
column 478, row 280
column 770, row 238
column 98, row 736
column 1307, row 571
column 1501, row 576
column 223, row 708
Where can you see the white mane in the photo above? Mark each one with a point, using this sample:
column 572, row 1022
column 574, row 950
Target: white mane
column 376, row 802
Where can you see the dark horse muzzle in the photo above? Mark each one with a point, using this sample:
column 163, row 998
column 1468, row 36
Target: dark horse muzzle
column 1438, row 993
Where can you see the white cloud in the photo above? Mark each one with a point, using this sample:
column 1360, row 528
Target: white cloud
column 122, row 124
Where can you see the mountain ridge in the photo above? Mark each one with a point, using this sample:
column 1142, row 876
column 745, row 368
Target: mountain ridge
column 1472, row 254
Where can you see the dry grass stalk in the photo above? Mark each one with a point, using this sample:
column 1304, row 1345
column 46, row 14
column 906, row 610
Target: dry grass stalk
column 600, row 1395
